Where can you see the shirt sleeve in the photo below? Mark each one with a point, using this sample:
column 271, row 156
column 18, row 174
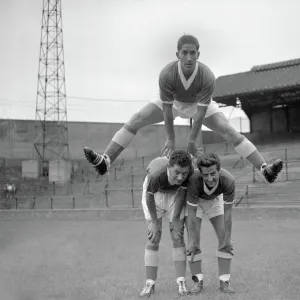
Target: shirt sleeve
column 184, row 185
column 153, row 185
column 229, row 193
column 209, row 84
column 204, row 97
column 165, row 89
column 192, row 192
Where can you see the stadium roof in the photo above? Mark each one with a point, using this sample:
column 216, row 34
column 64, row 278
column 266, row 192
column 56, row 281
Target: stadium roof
column 262, row 78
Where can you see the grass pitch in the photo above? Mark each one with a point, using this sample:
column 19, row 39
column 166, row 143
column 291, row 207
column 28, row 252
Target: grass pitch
column 89, row 260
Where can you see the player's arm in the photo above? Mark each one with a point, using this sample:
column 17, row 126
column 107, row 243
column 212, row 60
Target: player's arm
column 191, row 227
column 154, row 228
column 152, row 189
column 178, row 225
column 228, row 220
column 192, row 204
column 167, row 98
column 150, row 201
column 180, row 201
column 228, row 196
column 203, row 100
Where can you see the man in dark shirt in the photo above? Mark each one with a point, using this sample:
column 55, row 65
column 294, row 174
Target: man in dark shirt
column 211, row 192
column 164, row 192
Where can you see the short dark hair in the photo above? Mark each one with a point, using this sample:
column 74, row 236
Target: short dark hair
column 181, row 158
column 187, row 39
column 208, row 160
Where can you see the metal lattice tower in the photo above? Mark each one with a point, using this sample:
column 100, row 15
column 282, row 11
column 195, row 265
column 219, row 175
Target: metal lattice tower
column 51, row 106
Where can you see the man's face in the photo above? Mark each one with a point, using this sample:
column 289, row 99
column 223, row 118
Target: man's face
column 177, row 175
column 188, row 56
column 210, row 175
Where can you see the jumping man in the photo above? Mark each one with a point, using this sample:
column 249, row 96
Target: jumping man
column 186, row 87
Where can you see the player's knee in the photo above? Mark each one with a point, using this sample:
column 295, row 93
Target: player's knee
column 231, row 135
column 178, row 243
column 177, row 239
column 137, row 121
column 153, row 246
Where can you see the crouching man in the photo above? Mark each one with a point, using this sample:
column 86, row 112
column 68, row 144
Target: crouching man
column 210, row 192
column 164, row 193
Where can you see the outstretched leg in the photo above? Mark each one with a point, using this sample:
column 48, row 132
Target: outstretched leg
column 148, row 115
column 218, row 123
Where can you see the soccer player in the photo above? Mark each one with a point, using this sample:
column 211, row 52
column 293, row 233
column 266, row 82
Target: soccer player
column 164, row 193
column 186, row 87
column 211, row 191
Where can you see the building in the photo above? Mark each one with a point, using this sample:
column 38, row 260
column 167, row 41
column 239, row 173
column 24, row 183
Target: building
column 269, row 95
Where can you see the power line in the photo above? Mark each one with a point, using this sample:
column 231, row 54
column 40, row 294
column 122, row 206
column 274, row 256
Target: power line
column 107, row 100
column 26, row 103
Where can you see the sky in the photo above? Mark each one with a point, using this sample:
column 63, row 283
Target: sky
column 114, row 50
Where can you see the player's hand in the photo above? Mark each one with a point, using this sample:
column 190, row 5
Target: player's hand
column 168, row 148
column 154, row 232
column 199, row 152
column 228, row 245
column 194, row 150
column 191, row 251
